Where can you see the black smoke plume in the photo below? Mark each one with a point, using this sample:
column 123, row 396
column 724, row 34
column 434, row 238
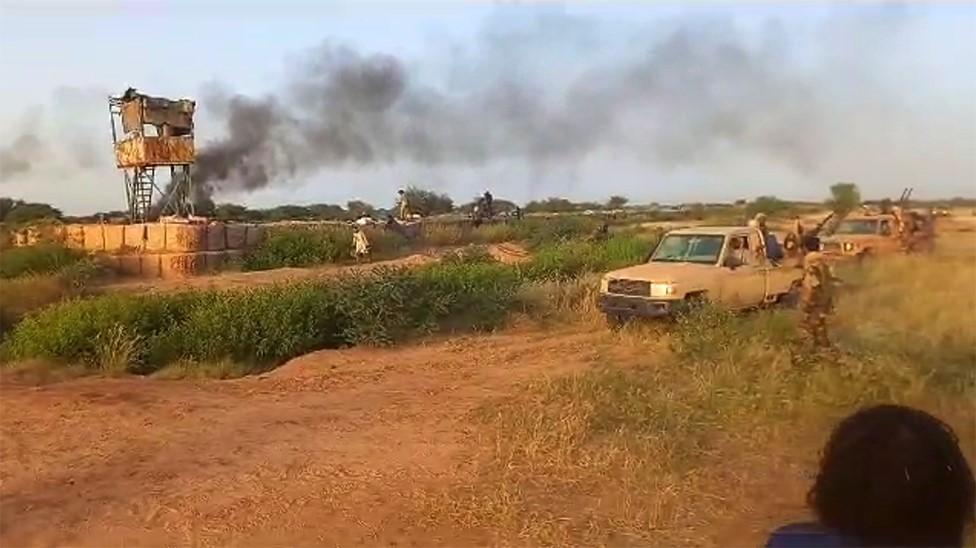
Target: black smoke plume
column 674, row 98
column 18, row 158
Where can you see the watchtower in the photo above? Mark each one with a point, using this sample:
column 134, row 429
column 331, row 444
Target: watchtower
column 150, row 133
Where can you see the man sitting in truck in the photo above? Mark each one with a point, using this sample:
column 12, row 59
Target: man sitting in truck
column 738, row 252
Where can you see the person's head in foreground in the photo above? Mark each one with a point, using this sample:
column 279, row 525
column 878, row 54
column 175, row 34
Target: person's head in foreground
column 889, row 476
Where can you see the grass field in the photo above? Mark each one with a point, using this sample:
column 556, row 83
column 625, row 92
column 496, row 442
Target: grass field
column 671, row 444
column 480, row 404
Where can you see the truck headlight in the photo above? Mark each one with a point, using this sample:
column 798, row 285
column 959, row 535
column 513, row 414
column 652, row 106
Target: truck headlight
column 661, row 290
column 848, row 246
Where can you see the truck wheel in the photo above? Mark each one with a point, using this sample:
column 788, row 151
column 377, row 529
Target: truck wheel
column 791, row 298
column 615, row 321
column 691, row 302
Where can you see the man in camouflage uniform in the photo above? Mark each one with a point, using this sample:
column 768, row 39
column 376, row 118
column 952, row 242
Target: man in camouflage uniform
column 817, row 292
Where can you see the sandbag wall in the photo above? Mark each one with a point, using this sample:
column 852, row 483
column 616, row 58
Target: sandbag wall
column 159, row 250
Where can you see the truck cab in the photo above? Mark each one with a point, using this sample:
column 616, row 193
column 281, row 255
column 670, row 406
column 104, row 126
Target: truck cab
column 861, row 236
column 725, row 265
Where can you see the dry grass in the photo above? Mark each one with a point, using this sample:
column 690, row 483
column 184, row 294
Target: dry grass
column 219, row 369
column 24, row 294
column 572, row 300
column 706, row 435
column 117, row 350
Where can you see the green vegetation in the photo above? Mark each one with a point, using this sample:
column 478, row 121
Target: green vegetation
column 569, row 259
column 617, row 202
column 314, row 245
column 844, row 197
column 266, row 325
column 298, row 247
column 34, row 277
column 36, row 259
column 426, row 202
column 13, row 211
column 142, row 333
column 768, row 205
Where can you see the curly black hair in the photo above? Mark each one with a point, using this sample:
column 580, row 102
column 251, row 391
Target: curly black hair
column 894, row 476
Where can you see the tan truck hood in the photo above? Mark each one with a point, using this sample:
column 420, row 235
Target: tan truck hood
column 852, row 238
column 687, row 274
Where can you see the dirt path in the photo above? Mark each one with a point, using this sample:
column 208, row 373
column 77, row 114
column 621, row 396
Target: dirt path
column 507, row 253
column 241, row 280
column 326, row 449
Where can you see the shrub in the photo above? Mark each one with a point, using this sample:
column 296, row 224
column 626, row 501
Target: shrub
column 266, row 325
column 427, row 202
column 539, row 232
column 298, row 247
column 24, row 294
column 566, row 260
column 386, row 243
column 445, row 234
column 317, row 245
column 37, row 259
column 497, row 233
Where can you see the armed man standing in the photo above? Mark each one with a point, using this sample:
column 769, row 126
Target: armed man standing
column 817, row 296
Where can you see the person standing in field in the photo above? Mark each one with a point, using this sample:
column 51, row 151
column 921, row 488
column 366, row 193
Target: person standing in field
column 403, row 207
column 489, row 205
column 817, row 292
column 360, row 243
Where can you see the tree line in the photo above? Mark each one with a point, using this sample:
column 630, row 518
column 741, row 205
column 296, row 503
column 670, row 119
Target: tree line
column 844, row 197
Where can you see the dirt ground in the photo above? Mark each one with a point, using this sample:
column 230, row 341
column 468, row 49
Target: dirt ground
column 326, row 449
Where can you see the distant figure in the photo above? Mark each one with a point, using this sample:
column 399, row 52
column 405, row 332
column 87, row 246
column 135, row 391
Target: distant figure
column 489, row 205
column 518, row 213
column 817, row 294
column 361, row 248
column 601, row 234
column 476, row 214
column 889, row 476
column 403, row 207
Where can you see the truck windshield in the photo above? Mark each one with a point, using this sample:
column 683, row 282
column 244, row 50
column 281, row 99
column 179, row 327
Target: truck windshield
column 689, row 248
column 857, row 226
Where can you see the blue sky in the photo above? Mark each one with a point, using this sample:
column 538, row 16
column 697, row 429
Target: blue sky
column 890, row 90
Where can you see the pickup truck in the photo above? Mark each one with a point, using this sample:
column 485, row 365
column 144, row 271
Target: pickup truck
column 724, row 265
column 865, row 236
column 862, row 236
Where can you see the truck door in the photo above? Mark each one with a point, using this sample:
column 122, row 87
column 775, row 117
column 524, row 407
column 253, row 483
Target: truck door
column 763, row 264
column 745, row 285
